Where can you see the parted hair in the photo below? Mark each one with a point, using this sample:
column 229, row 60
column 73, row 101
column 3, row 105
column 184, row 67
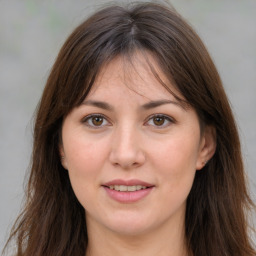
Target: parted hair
column 53, row 221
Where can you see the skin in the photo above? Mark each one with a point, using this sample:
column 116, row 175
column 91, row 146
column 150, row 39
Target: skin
column 161, row 145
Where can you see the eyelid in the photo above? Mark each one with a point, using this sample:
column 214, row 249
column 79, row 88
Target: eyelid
column 170, row 119
column 86, row 118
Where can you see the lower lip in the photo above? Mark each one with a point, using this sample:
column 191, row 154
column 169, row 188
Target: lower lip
column 129, row 196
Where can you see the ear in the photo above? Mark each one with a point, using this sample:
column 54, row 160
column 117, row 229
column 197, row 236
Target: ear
column 62, row 157
column 207, row 147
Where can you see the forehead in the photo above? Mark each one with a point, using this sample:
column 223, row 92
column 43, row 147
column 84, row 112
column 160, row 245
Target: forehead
column 139, row 75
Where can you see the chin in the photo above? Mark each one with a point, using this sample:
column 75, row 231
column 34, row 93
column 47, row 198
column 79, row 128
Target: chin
column 131, row 230
column 131, row 224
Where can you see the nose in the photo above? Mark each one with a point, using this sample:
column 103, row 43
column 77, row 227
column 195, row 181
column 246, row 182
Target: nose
column 126, row 148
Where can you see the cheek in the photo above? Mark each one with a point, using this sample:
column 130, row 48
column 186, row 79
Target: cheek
column 177, row 171
column 83, row 168
column 84, row 162
column 83, row 155
column 175, row 161
column 178, row 152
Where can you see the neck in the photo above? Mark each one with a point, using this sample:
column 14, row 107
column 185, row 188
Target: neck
column 162, row 241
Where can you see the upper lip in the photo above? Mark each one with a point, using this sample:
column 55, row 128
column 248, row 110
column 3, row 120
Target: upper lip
column 132, row 182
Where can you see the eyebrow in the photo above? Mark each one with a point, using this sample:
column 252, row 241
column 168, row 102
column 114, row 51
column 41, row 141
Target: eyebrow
column 98, row 104
column 147, row 106
column 157, row 103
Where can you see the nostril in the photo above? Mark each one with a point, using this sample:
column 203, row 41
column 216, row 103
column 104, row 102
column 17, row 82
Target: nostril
column 127, row 157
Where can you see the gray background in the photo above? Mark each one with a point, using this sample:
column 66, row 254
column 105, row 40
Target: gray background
column 32, row 32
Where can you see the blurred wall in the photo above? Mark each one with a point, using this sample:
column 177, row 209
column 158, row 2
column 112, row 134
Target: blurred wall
column 32, row 32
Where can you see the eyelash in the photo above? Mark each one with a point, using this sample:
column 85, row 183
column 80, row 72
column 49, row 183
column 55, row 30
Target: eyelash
column 165, row 117
column 89, row 118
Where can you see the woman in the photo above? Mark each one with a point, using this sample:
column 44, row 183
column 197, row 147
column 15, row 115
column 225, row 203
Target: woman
column 136, row 151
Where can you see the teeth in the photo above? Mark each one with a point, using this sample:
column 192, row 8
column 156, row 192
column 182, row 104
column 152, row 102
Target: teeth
column 124, row 188
column 131, row 188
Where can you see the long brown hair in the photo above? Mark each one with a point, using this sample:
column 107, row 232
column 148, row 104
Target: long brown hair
column 53, row 221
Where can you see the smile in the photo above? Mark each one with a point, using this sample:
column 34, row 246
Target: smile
column 124, row 188
column 128, row 191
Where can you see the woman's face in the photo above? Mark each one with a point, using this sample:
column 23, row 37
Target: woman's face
column 132, row 150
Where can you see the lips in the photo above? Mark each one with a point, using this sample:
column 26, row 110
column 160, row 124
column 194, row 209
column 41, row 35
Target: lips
column 127, row 191
column 128, row 183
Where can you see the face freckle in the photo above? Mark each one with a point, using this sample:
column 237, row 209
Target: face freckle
column 129, row 147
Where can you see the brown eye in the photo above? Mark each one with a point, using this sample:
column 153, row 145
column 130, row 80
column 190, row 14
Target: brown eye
column 97, row 120
column 159, row 120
